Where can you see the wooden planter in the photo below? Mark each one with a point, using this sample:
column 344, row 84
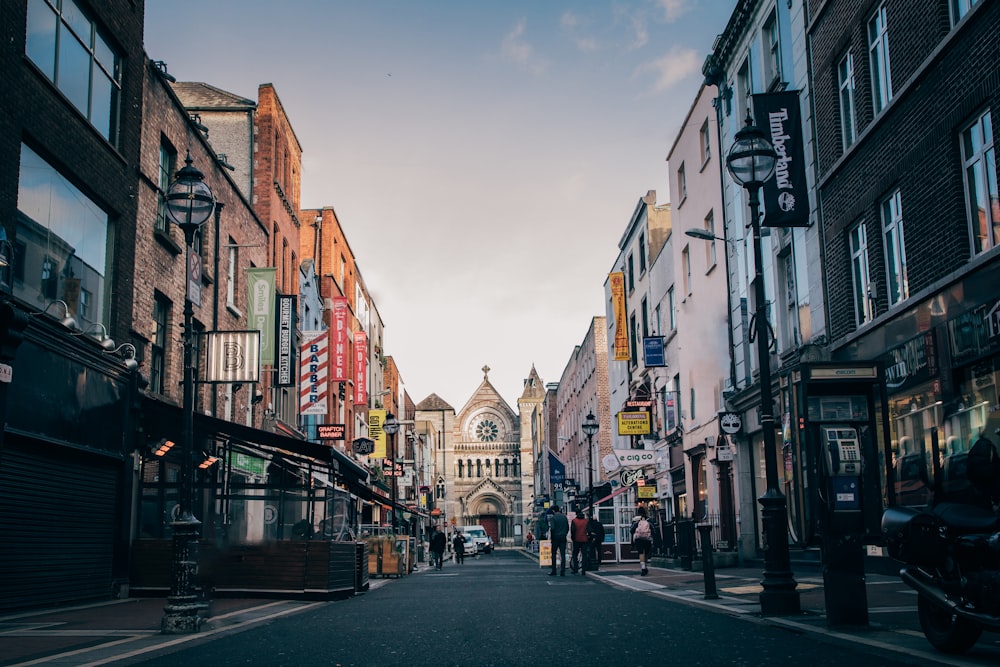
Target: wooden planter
column 318, row 569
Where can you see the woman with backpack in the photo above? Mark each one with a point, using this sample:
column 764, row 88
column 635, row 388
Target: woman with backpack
column 642, row 537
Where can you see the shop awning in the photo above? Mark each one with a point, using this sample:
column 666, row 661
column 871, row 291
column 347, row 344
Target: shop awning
column 162, row 419
column 616, row 492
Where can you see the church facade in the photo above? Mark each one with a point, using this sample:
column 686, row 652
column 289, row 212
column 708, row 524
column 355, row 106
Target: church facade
column 484, row 473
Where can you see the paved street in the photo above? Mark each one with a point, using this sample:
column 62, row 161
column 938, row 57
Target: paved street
column 502, row 609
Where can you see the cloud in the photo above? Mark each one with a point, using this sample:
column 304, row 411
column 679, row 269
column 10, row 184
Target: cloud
column 673, row 9
column 672, row 68
column 518, row 51
column 573, row 25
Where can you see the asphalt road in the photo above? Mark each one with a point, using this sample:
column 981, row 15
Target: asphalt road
column 501, row 609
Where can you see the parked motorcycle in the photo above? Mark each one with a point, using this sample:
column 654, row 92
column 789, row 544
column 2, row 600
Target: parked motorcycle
column 951, row 553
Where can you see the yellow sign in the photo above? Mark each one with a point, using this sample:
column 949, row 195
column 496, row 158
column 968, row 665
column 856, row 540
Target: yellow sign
column 545, row 553
column 646, row 492
column 617, row 284
column 375, row 420
column 633, row 423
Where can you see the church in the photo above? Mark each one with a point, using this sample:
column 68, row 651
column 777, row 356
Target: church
column 483, row 458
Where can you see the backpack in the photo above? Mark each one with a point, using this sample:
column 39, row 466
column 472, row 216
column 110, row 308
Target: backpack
column 643, row 531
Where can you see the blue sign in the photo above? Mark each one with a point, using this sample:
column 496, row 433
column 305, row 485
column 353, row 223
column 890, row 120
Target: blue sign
column 557, row 471
column 652, row 350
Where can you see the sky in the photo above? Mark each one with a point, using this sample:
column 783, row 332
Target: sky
column 483, row 157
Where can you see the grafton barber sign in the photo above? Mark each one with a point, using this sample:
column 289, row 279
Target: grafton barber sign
column 786, row 200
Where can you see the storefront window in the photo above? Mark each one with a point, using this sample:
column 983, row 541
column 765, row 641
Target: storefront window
column 65, row 239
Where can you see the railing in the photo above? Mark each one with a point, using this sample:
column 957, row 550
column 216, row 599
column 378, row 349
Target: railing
column 680, row 535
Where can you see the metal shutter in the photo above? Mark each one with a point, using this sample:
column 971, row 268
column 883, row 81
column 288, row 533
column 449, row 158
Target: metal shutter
column 57, row 518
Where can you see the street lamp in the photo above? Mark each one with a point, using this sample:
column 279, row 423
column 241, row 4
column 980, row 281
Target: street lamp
column 590, row 428
column 391, row 428
column 751, row 162
column 189, row 203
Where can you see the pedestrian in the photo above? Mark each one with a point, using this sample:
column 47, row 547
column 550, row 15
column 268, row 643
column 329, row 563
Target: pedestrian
column 458, row 545
column 595, row 536
column 642, row 538
column 578, row 533
column 558, row 531
column 439, row 542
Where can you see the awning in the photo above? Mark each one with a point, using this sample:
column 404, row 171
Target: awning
column 617, row 492
column 163, row 418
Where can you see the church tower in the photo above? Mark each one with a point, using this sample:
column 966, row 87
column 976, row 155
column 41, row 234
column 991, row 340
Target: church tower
column 531, row 411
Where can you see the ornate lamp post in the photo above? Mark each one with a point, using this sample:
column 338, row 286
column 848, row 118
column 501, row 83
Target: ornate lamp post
column 751, row 162
column 189, row 203
column 391, row 428
column 590, row 428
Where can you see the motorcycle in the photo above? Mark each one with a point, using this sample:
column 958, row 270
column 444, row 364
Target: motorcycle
column 951, row 557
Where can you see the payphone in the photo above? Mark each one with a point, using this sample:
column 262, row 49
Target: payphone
column 843, row 462
column 844, row 411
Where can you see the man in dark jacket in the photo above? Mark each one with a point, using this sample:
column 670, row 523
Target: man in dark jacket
column 595, row 535
column 439, row 542
column 558, row 530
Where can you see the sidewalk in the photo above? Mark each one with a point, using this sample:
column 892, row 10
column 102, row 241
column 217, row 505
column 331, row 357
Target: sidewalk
column 892, row 607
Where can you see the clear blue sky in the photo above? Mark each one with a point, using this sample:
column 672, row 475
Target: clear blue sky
column 483, row 157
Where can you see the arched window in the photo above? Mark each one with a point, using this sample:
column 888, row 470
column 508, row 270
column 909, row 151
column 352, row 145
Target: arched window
column 489, row 469
column 506, row 467
column 460, row 468
column 517, row 467
column 496, row 467
column 440, row 489
column 468, row 467
column 479, row 467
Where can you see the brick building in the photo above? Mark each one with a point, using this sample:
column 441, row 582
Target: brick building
column 904, row 92
column 69, row 154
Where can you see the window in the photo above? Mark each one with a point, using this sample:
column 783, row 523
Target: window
column 878, row 52
column 682, row 185
column 845, row 75
column 706, row 143
column 980, row 170
column 744, row 86
column 772, row 55
column 960, row 8
column 642, row 253
column 897, row 288
column 633, row 331
column 158, row 344
column 671, row 316
column 657, row 319
column 860, row 274
column 168, row 165
column 686, row 269
column 645, row 317
column 232, row 271
column 710, row 244
column 691, row 416
column 630, row 270
column 67, row 47
column 66, row 238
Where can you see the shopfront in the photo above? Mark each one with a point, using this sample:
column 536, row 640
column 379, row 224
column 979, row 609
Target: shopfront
column 279, row 515
column 942, row 361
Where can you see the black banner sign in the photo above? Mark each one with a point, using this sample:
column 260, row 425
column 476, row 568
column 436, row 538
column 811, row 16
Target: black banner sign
column 785, row 197
column 330, row 431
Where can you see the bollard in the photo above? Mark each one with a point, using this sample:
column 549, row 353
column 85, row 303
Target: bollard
column 707, row 566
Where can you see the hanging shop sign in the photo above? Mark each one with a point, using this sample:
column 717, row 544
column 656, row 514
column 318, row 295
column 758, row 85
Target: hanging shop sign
column 233, row 356
column 652, row 352
column 634, row 458
column 634, row 423
column 313, row 373
column 616, row 282
column 331, row 431
column 786, row 196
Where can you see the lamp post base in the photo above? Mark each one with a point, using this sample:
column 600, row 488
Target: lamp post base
column 779, row 597
column 182, row 613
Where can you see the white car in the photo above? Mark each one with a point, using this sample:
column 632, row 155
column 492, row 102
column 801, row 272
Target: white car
column 484, row 543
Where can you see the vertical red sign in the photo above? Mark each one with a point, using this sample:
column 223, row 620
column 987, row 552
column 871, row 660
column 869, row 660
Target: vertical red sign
column 339, row 353
column 360, row 368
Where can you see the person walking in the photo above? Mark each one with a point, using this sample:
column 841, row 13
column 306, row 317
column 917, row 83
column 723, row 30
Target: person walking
column 458, row 546
column 558, row 531
column 439, row 542
column 642, row 538
column 595, row 538
column 578, row 533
